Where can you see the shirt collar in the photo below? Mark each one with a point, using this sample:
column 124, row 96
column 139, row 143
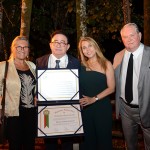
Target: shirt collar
column 62, row 59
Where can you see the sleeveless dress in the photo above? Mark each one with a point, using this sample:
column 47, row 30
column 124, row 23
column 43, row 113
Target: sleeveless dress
column 97, row 117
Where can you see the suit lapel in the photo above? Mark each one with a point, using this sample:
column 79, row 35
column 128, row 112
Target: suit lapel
column 144, row 64
column 120, row 68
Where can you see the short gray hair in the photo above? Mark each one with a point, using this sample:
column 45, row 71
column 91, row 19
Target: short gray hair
column 131, row 24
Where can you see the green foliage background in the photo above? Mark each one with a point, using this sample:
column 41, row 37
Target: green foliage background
column 104, row 21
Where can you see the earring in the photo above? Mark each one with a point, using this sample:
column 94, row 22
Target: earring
column 27, row 57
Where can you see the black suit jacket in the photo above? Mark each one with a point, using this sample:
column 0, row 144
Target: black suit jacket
column 42, row 62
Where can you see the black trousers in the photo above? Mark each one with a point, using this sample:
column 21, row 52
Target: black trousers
column 22, row 130
column 52, row 143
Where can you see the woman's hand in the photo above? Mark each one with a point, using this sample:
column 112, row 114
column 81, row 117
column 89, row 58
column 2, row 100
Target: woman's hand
column 87, row 100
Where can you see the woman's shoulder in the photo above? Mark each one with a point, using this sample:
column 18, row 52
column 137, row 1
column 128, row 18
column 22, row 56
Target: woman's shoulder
column 30, row 63
column 109, row 64
column 110, row 68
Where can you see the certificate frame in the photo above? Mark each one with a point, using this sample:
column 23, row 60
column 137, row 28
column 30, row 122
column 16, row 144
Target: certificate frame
column 57, row 85
column 59, row 120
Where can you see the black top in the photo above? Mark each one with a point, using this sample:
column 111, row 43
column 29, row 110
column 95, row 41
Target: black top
column 27, row 92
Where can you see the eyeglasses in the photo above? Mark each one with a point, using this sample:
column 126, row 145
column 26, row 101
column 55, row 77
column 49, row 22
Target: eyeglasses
column 56, row 44
column 19, row 48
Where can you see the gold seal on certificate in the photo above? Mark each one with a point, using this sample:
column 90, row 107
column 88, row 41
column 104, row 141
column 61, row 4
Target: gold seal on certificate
column 59, row 112
column 59, row 120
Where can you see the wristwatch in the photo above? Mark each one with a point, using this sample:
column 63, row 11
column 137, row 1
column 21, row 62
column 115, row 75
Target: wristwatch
column 96, row 98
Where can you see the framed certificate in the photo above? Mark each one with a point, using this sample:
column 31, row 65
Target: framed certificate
column 58, row 84
column 59, row 120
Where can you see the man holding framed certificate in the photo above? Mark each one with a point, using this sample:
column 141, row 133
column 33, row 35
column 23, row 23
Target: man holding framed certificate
column 59, row 46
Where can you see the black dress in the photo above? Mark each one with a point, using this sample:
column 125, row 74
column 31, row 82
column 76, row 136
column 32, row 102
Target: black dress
column 97, row 117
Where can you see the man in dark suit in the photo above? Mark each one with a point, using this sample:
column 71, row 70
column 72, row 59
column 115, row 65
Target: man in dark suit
column 134, row 108
column 59, row 46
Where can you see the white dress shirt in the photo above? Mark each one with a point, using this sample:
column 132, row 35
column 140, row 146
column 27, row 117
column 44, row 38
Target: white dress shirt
column 52, row 61
column 137, row 58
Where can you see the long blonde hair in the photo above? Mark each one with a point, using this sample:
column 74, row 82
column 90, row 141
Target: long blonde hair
column 101, row 59
column 14, row 42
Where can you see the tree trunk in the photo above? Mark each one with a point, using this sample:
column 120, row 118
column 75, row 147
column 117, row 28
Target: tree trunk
column 26, row 17
column 147, row 22
column 81, row 18
column 126, row 11
column 3, row 52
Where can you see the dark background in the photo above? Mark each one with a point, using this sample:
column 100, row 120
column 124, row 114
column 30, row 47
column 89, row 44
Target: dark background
column 48, row 15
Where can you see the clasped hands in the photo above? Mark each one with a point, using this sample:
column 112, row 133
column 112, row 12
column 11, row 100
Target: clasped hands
column 86, row 100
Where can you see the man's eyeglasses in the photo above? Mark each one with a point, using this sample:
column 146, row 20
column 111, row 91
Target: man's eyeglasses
column 19, row 48
column 56, row 44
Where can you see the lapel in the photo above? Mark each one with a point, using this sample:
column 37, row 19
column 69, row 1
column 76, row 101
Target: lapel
column 12, row 72
column 118, row 75
column 119, row 68
column 71, row 63
column 144, row 65
column 42, row 62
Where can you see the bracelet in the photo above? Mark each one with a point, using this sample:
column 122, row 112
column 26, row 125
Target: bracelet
column 96, row 98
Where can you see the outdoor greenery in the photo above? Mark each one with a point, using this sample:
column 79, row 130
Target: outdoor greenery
column 104, row 20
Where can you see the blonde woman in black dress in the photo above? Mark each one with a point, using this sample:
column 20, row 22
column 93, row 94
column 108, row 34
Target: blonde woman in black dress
column 97, row 82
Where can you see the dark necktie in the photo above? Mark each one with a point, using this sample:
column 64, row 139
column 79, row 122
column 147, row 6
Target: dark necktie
column 57, row 64
column 129, row 81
